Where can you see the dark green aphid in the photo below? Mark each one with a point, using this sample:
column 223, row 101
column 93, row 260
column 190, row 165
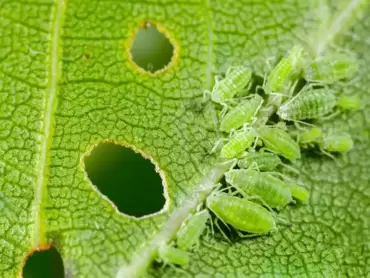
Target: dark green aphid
column 279, row 141
column 172, row 255
column 273, row 191
column 192, row 229
column 264, row 161
column 236, row 79
column 337, row 143
column 243, row 113
column 299, row 192
column 240, row 213
column 331, row 68
column 279, row 77
column 308, row 104
column 310, row 136
column 238, row 144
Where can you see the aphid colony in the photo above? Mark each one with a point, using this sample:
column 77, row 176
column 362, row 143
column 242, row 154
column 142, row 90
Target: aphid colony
column 255, row 191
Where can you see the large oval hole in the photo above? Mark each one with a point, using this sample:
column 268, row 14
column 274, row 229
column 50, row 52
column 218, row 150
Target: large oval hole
column 129, row 180
column 151, row 49
column 44, row 264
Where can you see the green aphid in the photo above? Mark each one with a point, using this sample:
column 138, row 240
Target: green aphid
column 265, row 161
column 279, row 141
column 240, row 213
column 348, row 103
column 192, row 229
column 308, row 104
column 310, row 136
column 236, row 79
column 236, row 146
column 243, row 113
column 299, row 192
column 331, row 68
column 280, row 76
column 337, row 143
column 171, row 255
column 273, row 191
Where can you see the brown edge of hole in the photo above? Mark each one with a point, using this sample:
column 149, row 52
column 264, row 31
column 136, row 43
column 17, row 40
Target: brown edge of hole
column 161, row 28
column 37, row 248
column 157, row 168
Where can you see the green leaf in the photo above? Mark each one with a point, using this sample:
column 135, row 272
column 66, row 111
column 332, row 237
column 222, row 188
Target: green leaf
column 67, row 83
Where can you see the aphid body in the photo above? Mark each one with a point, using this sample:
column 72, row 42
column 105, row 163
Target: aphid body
column 279, row 77
column 236, row 79
column 337, row 143
column 238, row 144
column 331, row 68
column 308, row 104
column 348, row 102
column 241, row 114
column 310, row 135
column 264, row 161
column 192, row 229
column 279, row 141
column 273, row 191
column 240, row 213
column 172, row 255
column 299, row 192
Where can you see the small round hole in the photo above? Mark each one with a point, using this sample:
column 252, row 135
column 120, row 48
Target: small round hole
column 44, row 264
column 128, row 179
column 151, row 49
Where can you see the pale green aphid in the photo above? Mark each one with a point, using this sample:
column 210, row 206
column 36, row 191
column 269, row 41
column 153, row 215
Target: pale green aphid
column 310, row 135
column 273, row 191
column 331, row 68
column 243, row 113
column 240, row 213
column 348, row 102
column 279, row 77
column 192, row 229
column 264, row 161
column 299, row 192
column 236, row 79
column 337, row 143
column 279, row 141
column 238, row 144
column 172, row 255
column 308, row 104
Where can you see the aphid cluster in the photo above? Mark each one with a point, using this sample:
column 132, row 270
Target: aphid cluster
column 254, row 190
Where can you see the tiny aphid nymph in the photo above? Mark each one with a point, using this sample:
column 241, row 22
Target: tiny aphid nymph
column 243, row 113
column 331, row 68
column 236, row 80
column 299, row 192
column 310, row 135
column 264, row 161
column 238, row 144
column 308, row 104
column 191, row 230
column 279, row 77
column 172, row 255
column 348, row 102
column 273, row 191
column 337, row 143
column 279, row 141
column 240, row 213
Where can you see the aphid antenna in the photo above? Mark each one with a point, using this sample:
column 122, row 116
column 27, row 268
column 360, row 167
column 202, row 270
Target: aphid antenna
column 329, row 155
column 217, row 144
column 206, row 95
column 330, row 116
column 282, row 220
column 215, row 223
column 290, row 168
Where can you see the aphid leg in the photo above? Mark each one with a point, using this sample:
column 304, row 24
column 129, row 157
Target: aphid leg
column 219, row 141
column 290, row 168
column 241, row 235
column 330, row 116
column 206, row 95
column 328, row 154
column 219, row 228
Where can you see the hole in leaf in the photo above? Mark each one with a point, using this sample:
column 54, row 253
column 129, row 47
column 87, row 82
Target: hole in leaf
column 151, row 49
column 44, row 264
column 128, row 179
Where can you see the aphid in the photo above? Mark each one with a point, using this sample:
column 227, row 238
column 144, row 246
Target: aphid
column 331, row 68
column 236, row 79
column 192, row 229
column 308, row 104
column 238, row 144
column 273, row 191
column 172, row 255
column 337, row 143
column 265, row 161
column 240, row 213
column 299, row 192
column 310, row 135
column 241, row 114
column 279, row 77
column 348, row 102
column 279, row 141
